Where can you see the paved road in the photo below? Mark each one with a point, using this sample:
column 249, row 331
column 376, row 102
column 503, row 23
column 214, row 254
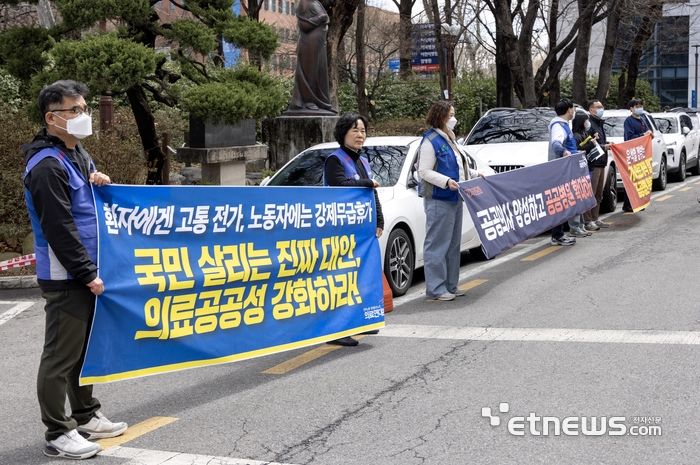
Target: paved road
column 606, row 332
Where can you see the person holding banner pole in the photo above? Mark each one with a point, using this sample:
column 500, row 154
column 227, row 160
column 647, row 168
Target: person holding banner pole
column 586, row 142
column 346, row 167
column 596, row 109
column 441, row 166
column 635, row 127
column 562, row 144
column 58, row 181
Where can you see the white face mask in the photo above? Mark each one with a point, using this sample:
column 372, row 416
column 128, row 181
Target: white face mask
column 80, row 126
column 451, row 123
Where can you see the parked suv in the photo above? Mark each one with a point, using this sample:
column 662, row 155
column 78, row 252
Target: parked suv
column 682, row 140
column 508, row 139
column 615, row 132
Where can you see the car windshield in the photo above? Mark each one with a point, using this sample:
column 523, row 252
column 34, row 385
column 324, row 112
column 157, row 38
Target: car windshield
column 307, row 169
column 667, row 125
column 518, row 126
column 614, row 126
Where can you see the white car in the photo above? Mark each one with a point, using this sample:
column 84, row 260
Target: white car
column 392, row 160
column 614, row 122
column 508, row 139
column 682, row 141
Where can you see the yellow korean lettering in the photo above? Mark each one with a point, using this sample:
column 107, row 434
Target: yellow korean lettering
column 150, row 270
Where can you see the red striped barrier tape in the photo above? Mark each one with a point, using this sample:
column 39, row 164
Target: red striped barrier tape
column 17, row 262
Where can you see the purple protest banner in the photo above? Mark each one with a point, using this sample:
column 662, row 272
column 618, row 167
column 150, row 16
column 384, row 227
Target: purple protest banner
column 511, row 207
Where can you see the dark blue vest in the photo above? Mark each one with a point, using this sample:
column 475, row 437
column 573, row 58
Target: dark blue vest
column 446, row 164
column 82, row 208
column 351, row 173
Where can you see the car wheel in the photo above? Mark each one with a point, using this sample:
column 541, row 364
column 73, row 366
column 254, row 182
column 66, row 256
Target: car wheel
column 477, row 253
column 609, row 202
column 695, row 170
column 399, row 260
column 680, row 175
column 660, row 182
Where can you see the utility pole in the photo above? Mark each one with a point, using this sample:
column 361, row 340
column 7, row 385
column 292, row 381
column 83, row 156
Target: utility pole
column 694, row 103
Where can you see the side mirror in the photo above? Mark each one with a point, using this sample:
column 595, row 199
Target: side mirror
column 412, row 181
column 685, row 130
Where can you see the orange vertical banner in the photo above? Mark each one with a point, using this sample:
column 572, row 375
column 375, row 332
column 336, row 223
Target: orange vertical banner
column 633, row 159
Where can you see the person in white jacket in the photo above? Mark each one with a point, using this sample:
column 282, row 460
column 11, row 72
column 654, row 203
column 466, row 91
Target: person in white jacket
column 442, row 164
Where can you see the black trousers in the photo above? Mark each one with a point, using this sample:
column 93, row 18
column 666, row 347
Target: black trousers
column 68, row 320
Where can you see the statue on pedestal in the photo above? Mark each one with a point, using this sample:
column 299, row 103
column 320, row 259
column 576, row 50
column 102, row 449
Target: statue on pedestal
column 311, row 96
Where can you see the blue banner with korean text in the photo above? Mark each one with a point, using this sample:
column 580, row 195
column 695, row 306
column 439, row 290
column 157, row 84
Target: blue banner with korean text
column 514, row 206
column 199, row 275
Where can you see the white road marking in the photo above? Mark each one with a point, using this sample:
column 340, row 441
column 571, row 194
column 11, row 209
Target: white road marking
column 158, row 457
column 418, row 292
column 632, row 336
column 14, row 311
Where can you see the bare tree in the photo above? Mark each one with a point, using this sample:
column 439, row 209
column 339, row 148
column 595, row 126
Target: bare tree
column 651, row 12
column 606, row 61
column 583, row 42
column 360, row 60
column 405, row 36
column 341, row 17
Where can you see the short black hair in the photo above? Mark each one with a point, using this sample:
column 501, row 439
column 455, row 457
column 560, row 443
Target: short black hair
column 634, row 102
column 592, row 102
column 53, row 94
column 347, row 122
column 563, row 106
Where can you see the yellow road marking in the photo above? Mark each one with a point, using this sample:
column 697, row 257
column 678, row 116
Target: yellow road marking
column 686, row 189
column 541, row 253
column 135, row 431
column 306, row 357
column 472, row 284
column 697, row 183
column 665, row 197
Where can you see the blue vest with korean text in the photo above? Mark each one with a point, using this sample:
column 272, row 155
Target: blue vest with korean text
column 446, row 164
column 351, row 173
column 82, row 208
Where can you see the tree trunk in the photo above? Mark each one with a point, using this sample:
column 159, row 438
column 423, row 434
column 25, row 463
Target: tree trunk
column 405, row 38
column 442, row 62
column 504, row 79
column 155, row 159
column 579, row 92
column 646, row 29
column 360, row 60
column 341, row 16
column 606, row 61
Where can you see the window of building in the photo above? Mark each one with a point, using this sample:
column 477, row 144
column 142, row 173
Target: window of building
column 286, row 8
column 280, row 6
column 159, row 4
column 266, row 5
column 172, row 5
column 272, row 5
column 294, row 8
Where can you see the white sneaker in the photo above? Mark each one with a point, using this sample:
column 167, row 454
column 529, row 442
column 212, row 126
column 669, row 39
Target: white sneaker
column 100, row 427
column 71, row 445
column 459, row 292
column 446, row 297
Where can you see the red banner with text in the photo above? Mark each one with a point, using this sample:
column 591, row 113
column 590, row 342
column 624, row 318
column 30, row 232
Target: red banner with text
column 633, row 159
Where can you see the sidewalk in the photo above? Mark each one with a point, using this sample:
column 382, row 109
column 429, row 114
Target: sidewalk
column 18, row 282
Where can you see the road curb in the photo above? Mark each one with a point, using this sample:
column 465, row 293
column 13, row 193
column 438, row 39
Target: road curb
column 18, row 282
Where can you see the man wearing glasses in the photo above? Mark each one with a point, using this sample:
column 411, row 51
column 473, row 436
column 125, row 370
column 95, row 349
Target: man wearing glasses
column 58, row 190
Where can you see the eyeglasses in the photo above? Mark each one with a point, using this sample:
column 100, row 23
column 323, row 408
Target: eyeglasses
column 77, row 110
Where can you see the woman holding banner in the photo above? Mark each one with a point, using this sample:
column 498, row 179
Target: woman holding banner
column 347, row 167
column 441, row 166
column 585, row 142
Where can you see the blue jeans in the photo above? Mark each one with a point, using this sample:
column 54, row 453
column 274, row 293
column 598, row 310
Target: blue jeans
column 576, row 222
column 441, row 256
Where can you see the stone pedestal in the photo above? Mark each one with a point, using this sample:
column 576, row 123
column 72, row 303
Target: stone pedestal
column 225, row 166
column 287, row 136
